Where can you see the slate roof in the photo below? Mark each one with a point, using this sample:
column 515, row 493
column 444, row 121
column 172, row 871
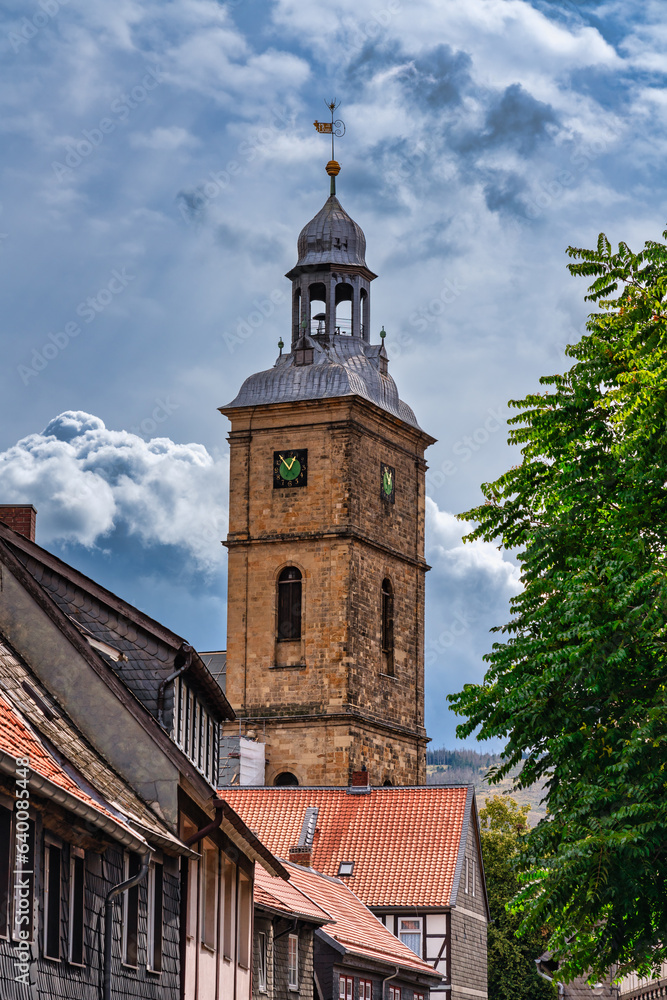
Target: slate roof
column 346, row 366
column 355, row 927
column 31, row 718
column 406, row 843
column 333, row 237
column 140, row 650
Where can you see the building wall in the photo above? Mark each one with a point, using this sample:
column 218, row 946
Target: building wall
column 469, row 925
column 61, row 980
column 345, row 539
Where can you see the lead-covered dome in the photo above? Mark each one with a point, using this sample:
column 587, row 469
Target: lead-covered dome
column 332, row 237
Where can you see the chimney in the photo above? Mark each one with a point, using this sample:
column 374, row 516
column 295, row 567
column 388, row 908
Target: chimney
column 301, row 855
column 21, row 517
column 359, row 782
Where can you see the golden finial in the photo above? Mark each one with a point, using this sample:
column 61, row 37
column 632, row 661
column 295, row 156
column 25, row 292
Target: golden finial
column 332, row 128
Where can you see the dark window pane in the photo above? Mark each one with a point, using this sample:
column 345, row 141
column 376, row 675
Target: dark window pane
column 132, row 913
column 289, row 604
column 52, row 909
column 388, row 622
column 76, row 911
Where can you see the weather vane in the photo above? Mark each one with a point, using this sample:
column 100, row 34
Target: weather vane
column 333, row 128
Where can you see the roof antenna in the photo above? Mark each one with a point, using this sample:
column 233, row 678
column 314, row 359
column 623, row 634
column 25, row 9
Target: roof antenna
column 332, row 128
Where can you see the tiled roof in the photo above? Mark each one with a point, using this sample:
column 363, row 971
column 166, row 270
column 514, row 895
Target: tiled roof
column 355, row 927
column 404, row 842
column 18, row 739
column 278, row 894
column 66, row 749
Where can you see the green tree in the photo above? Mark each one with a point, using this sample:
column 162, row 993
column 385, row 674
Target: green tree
column 579, row 684
column 512, row 974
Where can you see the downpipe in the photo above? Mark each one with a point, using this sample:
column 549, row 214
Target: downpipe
column 108, row 919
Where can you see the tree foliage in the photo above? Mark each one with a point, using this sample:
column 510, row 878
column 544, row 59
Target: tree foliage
column 512, row 974
column 578, row 687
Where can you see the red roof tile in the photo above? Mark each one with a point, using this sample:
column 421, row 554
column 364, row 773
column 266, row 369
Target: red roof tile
column 355, row 927
column 18, row 739
column 404, row 842
column 282, row 895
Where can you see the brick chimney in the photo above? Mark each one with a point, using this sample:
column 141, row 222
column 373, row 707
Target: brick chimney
column 301, row 855
column 21, row 517
column 359, row 779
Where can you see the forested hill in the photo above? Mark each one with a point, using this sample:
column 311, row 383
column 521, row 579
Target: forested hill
column 469, row 767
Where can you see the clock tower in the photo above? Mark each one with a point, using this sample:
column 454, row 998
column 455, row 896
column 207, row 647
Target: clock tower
column 325, row 649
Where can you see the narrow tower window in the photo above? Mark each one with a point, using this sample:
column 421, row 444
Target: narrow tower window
column 387, row 626
column 289, row 604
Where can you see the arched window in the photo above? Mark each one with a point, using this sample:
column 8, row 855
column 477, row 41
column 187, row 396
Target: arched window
column 343, row 298
column 387, row 626
column 286, row 778
column 289, row 604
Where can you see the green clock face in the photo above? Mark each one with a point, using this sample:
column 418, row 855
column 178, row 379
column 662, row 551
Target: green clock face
column 290, row 468
column 387, row 482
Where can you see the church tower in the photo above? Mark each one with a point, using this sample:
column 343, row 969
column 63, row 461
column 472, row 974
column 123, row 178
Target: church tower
column 325, row 649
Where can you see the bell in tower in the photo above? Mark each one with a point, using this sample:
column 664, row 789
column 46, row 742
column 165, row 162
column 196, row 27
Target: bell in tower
column 325, row 651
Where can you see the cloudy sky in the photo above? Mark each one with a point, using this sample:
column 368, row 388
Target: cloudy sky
column 159, row 161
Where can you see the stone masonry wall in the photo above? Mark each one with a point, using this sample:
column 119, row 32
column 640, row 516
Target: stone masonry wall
column 345, row 539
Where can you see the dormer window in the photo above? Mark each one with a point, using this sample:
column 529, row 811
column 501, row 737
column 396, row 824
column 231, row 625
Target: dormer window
column 195, row 730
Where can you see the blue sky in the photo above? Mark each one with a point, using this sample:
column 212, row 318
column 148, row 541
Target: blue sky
column 159, row 161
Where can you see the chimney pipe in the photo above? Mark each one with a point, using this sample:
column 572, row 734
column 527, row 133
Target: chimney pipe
column 20, row 517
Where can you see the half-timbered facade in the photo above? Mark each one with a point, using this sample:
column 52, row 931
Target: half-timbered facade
column 412, row 855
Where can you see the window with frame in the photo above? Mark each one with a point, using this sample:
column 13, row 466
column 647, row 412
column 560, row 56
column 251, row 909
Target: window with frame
column 365, row 989
column 289, row 604
column 228, row 881
column 387, row 626
column 410, row 933
column 244, row 920
column 417, row 996
column 346, row 988
column 130, row 939
column 52, row 899
column 155, row 908
column 77, row 897
column 394, row 993
column 195, row 730
column 470, row 877
column 293, row 961
column 209, row 904
column 262, row 959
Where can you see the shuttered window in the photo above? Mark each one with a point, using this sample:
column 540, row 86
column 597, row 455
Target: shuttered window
column 289, row 604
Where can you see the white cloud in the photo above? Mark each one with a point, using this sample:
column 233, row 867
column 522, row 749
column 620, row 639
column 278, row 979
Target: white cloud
column 86, row 481
column 165, row 138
